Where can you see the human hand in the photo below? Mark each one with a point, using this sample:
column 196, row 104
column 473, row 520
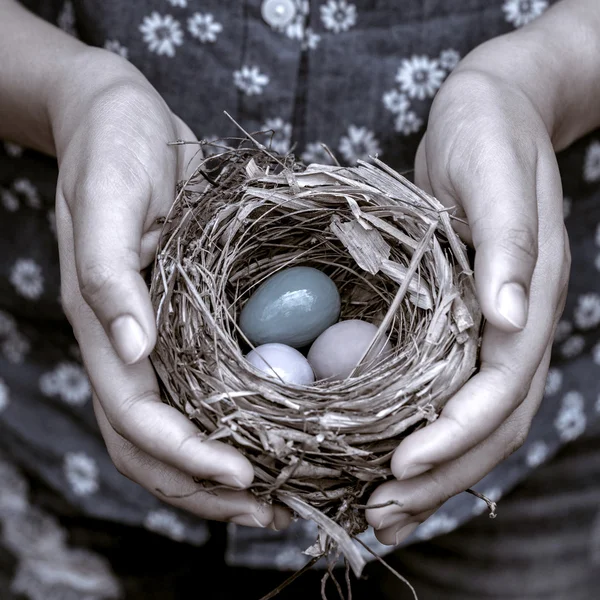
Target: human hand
column 488, row 152
column 117, row 177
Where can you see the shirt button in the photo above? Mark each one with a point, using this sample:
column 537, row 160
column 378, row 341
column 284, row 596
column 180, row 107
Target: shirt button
column 278, row 13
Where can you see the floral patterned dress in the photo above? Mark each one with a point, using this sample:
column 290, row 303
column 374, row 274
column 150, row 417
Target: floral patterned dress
column 356, row 75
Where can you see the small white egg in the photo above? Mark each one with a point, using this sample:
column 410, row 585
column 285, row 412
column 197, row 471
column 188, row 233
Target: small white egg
column 282, row 362
column 337, row 351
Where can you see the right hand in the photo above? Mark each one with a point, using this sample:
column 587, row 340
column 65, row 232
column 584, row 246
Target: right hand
column 117, row 176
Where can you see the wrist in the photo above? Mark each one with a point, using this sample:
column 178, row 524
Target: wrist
column 554, row 62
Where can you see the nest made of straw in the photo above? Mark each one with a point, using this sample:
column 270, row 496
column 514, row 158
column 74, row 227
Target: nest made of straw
column 397, row 262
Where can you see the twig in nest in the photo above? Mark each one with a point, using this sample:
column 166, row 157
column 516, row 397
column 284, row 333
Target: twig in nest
column 388, row 567
column 291, row 578
column 490, row 503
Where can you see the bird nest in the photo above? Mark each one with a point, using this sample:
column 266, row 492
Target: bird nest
column 390, row 248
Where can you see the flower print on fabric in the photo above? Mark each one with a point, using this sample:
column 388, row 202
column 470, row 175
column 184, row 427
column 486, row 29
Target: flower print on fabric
column 13, row 344
column 82, row 473
column 359, row 143
column 596, row 353
column 165, row 522
column 449, row 59
column 338, row 15
column 571, row 420
column 297, row 29
column 250, row 80
column 116, row 47
column 537, row 453
column 437, row 524
column 7, row 323
column 420, row 77
column 21, row 192
column 27, row 279
column 591, row 167
column 587, row 311
column 66, row 19
column 396, row 102
column 14, row 347
column 66, row 574
column 13, row 150
column 563, row 330
column 554, row 381
column 4, row 398
column 28, row 192
column 178, row 3
column 573, row 346
column 408, row 122
column 47, row 568
column 34, row 532
column 162, row 34
column 204, row 28
column 52, row 221
column 13, row 491
column 9, row 200
column 69, row 382
column 310, row 40
column 521, row 12
column 280, row 138
column 597, row 405
column 315, row 153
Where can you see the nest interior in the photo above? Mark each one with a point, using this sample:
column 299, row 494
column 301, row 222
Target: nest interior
column 391, row 250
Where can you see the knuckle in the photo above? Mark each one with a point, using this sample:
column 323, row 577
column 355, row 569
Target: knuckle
column 516, row 441
column 71, row 306
column 520, row 243
column 121, row 455
column 125, row 418
column 441, row 489
column 96, row 280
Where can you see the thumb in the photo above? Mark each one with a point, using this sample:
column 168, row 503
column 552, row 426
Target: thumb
column 495, row 185
column 500, row 202
column 108, row 226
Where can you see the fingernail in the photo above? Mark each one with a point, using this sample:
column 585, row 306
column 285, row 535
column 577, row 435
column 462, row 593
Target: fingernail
column 249, row 520
column 129, row 339
column 512, row 304
column 413, row 470
column 392, row 518
column 273, row 525
column 231, row 481
column 404, row 532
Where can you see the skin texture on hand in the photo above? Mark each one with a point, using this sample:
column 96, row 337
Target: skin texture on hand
column 117, row 177
column 488, row 153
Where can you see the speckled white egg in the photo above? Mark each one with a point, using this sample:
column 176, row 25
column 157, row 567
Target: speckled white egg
column 337, row 351
column 283, row 363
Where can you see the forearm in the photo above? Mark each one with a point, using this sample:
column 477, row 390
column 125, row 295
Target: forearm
column 556, row 61
column 33, row 54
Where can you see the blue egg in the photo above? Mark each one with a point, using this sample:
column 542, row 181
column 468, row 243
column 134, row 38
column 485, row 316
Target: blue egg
column 292, row 307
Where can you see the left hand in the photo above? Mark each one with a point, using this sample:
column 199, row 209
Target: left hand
column 488, row 152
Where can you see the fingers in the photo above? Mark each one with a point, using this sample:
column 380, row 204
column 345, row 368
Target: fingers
column 484, row 151
column 420, row 496
column 178, row 489
column 108, row 217
column 508, row 362
column 132, row 404
column 130, row 395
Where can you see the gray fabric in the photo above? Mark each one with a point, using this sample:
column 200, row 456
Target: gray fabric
column 544, row 544
column 339, row 82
